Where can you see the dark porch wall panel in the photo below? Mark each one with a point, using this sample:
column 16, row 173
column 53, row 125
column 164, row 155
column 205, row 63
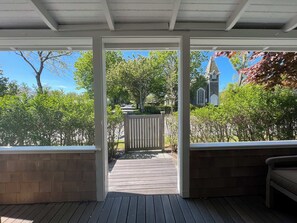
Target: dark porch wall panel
column 42, row 178
column 231, row 172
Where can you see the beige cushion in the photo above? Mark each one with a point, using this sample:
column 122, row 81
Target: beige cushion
column 286, row 178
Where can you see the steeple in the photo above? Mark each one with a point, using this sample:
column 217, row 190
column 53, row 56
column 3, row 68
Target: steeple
column 211, row 68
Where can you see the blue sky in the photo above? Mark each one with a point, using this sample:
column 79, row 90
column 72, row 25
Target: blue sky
column 18, row 70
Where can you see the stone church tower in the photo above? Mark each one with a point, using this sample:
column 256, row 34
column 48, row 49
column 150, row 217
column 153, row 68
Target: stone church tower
column 209, row 94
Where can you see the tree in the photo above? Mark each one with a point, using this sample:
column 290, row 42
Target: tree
column 7, row 87
column 140, row 76
column 274, row 68
column 168, row 65
column 268, row 68
column 240, row 60
column 38, row 60
column 3, row 83
column 197, row 82
column 84, row 75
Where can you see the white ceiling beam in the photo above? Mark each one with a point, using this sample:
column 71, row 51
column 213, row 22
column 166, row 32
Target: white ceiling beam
column 44, row 14
column 176, row 6
column 292, row 24
column 107, row 14
column 199, row 26
column 85, row 27
column 141, row 26
column 243, row 34
column 236, row 14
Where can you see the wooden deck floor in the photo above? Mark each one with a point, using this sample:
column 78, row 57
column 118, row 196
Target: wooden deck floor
column 146, row 173
column 150, row 209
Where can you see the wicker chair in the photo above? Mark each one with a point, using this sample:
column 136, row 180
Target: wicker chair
column 282, row 176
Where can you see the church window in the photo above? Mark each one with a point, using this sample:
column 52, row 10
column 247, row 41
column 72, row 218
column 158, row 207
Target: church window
column 200, row 97
column 214, row 99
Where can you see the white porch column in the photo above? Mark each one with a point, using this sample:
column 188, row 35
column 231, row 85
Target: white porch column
column 100, row 118
column 184, row 116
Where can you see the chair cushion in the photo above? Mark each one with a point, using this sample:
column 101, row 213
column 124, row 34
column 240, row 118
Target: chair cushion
column 286, row 178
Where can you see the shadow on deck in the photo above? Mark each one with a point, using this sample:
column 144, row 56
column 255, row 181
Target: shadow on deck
column 151, row 208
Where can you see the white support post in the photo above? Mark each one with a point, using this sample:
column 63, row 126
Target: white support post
column 184, row 117
column 100, row 118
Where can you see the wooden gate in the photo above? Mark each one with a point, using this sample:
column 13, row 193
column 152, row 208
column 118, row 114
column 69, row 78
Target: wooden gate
column 144, row 132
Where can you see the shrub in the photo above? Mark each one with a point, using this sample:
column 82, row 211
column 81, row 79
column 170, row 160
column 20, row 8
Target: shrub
column 171, row 122
column 247, row 113
column 115, row 120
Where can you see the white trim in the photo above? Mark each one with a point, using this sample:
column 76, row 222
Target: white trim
column 107, row 14
column 184, row 118
column 100, row 118
column 290, row 25
column 244, row 145
column 236, row 14
column 44, row 14
column 175, row 10
column 46, row 149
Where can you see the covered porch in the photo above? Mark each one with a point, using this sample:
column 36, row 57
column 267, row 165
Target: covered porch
column 230, row 178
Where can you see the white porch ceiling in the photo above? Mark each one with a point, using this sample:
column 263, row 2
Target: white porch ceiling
column 164, row 14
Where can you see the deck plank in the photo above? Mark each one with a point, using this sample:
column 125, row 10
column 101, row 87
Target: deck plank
column 123, row 212
column 240, row 210
column 151, row 209
column 115, row 210
column 140, row 216
column 78, row 213
column 70, row 211
column 46, row 211
column 226, row 217
column 204, row 211
column 254, row 213
column 195, row 211
column 214, row 213
column 59, row 214
column 132, row 210
column 185, row 209
column 17, row 214
column 234, row 215
column 25, row 213
column 167, row 209
column 32, row 215
column 106, row 209
column 97, row 212
column 177, row 212
column 12, row 212
column 87, row 213
column 159, row 211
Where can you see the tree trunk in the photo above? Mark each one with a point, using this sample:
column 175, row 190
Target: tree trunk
column 39, row 85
